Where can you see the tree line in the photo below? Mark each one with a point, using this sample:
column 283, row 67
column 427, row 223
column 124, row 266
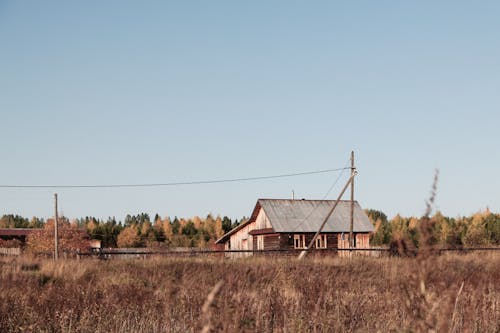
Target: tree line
column 135, row 231
column 480, row 229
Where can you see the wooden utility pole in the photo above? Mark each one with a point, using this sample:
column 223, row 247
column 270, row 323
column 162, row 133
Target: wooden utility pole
column 351, row 225
column 56, row 235
column 311, row 243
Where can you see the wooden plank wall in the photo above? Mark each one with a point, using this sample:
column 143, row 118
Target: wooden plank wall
column 10, row 251
column 286, row 241
column 272, row 241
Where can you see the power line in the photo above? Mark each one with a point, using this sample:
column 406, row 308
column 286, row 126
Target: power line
column 335, row 183
column 324, row 198
column 201, row 182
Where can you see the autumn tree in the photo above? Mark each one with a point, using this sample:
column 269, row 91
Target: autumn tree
column 219, row 231
column 36, row 223
column 70, row 238
column 198, row 223
column 147, row 235
column 167, row 229
column 129, row 237
column 158, row 231
column 476, row 234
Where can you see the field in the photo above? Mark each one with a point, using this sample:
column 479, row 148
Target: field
column 449, row 293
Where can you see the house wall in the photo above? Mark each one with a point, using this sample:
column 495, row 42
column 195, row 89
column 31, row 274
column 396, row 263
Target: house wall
column 272, row 241
column 362, row 242
column 267, row 242
column 286, row 240
column 262, row 222
column 241, row 240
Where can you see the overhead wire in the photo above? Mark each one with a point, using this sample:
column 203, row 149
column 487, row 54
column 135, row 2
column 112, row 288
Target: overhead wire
column 323, row 198
column 290, row 175
column 200, row 182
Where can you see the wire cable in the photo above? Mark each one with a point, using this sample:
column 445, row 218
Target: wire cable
column 201, row 182
column 324, row 198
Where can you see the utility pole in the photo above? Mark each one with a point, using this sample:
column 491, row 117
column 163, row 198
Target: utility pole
column 56, row 236
column 351, row 225
column 311, row 243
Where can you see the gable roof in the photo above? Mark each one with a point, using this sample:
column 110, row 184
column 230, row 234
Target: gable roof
column 307, row 215
column 296, row 216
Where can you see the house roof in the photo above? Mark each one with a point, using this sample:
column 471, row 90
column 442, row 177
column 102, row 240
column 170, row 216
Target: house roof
column 16, row 231
column 296, row 216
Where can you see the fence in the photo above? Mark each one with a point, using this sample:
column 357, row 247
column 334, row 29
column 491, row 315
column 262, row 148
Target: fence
column 188, row 252
column 10, row 251
column 142, row 253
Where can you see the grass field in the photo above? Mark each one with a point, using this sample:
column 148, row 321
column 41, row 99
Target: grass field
column 449, row 293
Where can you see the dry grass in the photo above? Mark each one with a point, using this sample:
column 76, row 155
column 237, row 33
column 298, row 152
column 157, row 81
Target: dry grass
column 450, row 293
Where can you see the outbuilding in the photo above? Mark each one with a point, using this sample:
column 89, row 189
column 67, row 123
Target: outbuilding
column 16, row 233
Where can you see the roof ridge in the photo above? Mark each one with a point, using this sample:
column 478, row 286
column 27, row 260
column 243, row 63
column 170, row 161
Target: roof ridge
column 299, row 200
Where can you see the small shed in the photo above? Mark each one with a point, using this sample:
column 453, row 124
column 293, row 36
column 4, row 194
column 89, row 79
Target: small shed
column 16, row 233
column 283, row 224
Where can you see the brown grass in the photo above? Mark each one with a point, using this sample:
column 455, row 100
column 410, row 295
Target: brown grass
column 449, row 293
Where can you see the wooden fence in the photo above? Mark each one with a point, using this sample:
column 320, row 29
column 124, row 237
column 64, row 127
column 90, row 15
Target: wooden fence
column 10, row 251
column 143, row 253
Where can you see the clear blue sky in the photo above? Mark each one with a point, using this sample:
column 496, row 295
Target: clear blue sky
column 110, row 92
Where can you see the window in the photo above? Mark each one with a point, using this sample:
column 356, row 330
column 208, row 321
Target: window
column 321, row 241
column 299, row 241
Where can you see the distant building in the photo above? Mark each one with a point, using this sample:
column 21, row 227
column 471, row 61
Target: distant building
column 95, row 244
column 16, row 233
column 279, row 224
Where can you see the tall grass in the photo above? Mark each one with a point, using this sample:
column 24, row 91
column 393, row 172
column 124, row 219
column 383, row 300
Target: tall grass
column 456, row 293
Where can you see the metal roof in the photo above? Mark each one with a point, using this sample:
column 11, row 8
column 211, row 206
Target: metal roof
column 295, row 216
column 307, row 215
column 17, row 231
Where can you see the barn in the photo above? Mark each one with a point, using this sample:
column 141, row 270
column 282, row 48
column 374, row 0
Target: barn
column 282, row 224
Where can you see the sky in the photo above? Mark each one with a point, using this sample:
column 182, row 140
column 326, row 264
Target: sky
column 131, row 92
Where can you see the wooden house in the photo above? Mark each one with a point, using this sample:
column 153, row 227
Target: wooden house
column 280, row 224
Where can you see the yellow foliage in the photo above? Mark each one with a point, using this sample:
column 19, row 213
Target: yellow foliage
column 378, row 223
column 197, row 222
column 70, row 238
column 413, row 223
column 129, row 237
column 218, row 228
column 167, row 229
